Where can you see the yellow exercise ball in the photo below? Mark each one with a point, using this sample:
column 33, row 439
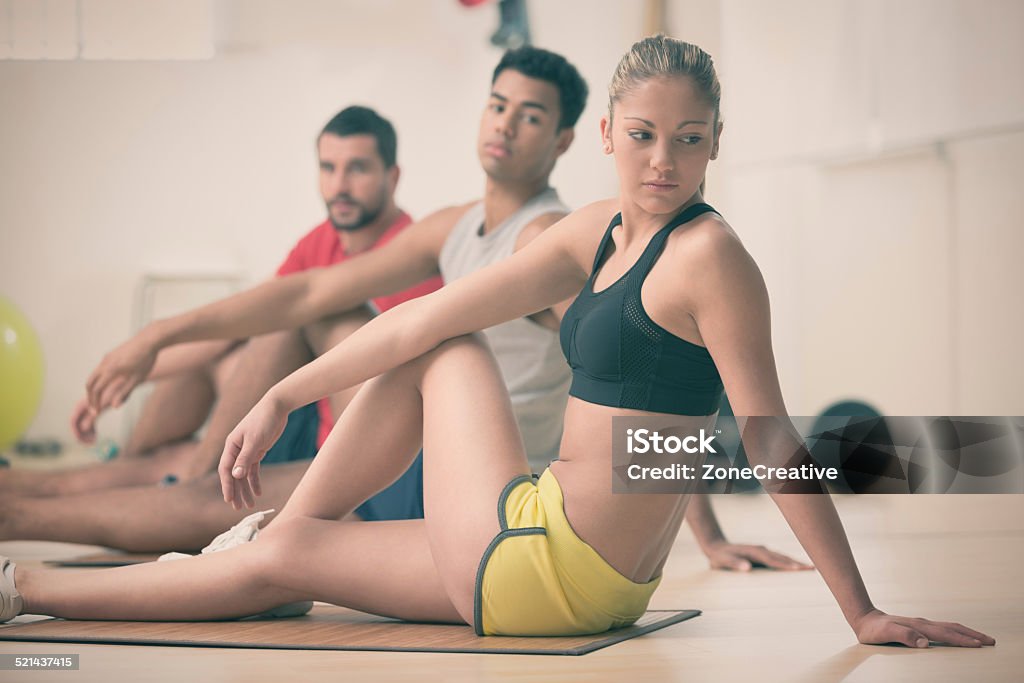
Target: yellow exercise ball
column 21, row 373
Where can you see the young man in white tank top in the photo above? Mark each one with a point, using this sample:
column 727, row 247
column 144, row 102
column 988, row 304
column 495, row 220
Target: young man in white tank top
column 535, row 100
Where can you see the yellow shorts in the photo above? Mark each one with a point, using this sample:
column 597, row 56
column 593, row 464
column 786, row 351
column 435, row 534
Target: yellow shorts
column 538, row 578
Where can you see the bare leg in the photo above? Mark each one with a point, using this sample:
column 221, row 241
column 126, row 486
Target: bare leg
column 414, row 569
column 159, row 444
column 265, row 361
column 257, row 576
column 141, row 519
column 240, row 379
column 175, row 409
column 472, row 449
column 121, row 472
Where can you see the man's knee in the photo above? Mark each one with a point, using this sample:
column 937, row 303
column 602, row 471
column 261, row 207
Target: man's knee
column 219, row 369
column 330, row 331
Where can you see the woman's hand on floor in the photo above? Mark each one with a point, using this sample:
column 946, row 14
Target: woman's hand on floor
column 877, row 628
column 245, row 447
column 742, row 558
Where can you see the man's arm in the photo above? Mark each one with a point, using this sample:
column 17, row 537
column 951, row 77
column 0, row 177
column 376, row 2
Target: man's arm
column 547, row 271
column 279, row 304
column 191, row 356
column 169, row 362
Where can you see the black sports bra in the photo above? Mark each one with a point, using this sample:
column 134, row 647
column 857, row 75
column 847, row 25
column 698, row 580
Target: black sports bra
column 620, row 357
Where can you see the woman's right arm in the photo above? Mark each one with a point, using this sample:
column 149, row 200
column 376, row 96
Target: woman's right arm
column 278, row 304
column 550, row 269
column 553, row 267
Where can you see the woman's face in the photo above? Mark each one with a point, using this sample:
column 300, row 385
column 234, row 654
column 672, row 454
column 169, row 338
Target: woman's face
column 662, row 135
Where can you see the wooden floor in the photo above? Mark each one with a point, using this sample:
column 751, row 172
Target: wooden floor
column 956, row 558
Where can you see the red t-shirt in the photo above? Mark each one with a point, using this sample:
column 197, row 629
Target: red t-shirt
column 321, row 247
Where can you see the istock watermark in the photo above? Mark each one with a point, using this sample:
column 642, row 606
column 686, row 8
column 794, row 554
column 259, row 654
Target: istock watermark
column 854, row 454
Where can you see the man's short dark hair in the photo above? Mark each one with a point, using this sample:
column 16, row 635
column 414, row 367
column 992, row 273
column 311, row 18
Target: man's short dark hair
column 555, row 69
column 358, row 120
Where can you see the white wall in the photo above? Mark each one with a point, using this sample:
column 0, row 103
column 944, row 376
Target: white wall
column 849, row 124
column 116, row 168
column 872, row 157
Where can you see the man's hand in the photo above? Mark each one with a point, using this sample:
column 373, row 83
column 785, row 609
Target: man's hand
column 119, row 373
column 83, row 421
column 877, row 628
column 742, row 558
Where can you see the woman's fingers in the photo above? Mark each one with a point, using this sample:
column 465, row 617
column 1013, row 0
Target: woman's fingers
column 246, row 471
column 254, row 480
column 899, row 633
column 227, row 462
column 978, row 635
column 953, row 634
column 248, row 500
column 916, row 632
column 774, row 560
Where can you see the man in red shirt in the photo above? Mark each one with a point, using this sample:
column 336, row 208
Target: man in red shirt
column 358, row 175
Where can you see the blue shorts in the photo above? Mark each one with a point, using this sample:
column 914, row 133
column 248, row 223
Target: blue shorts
column 298, row 440
column 402, row 500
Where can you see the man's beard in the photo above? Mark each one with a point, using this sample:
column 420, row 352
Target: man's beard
column 366, row 215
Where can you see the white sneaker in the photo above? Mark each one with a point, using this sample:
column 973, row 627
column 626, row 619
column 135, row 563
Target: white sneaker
column 245, row 531
column 10, row 599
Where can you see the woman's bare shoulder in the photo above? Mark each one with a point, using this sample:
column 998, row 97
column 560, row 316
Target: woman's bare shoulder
column 602, row 211
column 708, row 241
column 712, row 261
column 584, row 227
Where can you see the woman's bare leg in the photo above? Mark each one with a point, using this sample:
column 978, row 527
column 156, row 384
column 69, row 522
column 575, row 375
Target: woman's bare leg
column 415, row 569
column 383, row 567
column 456, row 399
column 266, row 360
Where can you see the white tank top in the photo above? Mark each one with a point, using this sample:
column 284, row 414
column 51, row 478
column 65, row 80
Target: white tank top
column 528, row 354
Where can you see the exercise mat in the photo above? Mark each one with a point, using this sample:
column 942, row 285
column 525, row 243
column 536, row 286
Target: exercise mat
column 328, row 628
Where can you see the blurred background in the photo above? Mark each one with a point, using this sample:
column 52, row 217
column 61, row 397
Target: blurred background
column 157, row 153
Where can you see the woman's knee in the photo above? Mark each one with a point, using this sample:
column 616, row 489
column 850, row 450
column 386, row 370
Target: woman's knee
column 465, row 354
column 283, row 543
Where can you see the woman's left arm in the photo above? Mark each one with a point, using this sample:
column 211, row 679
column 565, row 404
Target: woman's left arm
column 729, row 302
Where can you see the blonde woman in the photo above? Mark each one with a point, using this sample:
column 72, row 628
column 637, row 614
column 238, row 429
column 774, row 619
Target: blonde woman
column 671, row 310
